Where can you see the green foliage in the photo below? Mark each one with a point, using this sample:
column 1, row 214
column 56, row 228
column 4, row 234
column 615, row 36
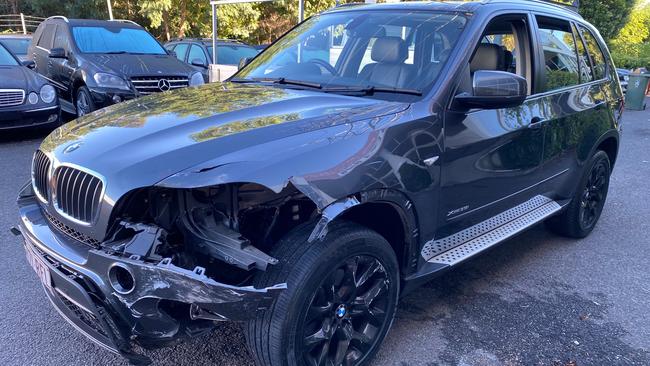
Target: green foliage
column 609, row 16
column 631, row 48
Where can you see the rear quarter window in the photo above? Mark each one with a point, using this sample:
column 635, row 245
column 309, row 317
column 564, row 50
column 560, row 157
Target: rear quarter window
column 596, row 54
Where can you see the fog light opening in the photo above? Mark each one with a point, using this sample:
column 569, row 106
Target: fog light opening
column 121, row 278
column 53, row 118
column 117, row 99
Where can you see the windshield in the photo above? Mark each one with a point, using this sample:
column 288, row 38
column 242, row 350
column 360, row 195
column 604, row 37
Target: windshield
column 17, row 46
column 116, row 40
column 231, row 55
column 376, row 50
column 6, row 59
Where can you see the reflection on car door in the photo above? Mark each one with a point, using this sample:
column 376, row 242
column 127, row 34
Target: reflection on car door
column 492, row 158
column 574, row 95
column 42, row 49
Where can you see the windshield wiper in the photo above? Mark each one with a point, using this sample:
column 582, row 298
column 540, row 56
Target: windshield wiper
column 285, row 81
column 369, row 90
column 115, row 52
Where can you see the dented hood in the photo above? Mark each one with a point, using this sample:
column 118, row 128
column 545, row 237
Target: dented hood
column 141, row 142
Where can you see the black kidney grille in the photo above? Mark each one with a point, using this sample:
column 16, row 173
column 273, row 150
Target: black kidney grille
column 78, row 193
column 40, row 169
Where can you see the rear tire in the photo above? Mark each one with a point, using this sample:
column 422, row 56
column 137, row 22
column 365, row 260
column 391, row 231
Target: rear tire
column 340, row 302
column 582, row 214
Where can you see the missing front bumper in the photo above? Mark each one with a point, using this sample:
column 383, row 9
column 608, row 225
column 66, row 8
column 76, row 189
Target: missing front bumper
column 81, row 290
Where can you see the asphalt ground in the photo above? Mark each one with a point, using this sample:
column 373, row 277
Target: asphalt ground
column 537, row 299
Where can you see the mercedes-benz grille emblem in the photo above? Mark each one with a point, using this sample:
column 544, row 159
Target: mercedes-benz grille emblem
column 163, row 85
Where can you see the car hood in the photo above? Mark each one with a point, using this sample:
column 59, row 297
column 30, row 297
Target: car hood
column 140, row 142
column 140, row 65
column 19, row 77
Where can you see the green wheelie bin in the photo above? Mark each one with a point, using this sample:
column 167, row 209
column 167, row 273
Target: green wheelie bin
column 636, row 88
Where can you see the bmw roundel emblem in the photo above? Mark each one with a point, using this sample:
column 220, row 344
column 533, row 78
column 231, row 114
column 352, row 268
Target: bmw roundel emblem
column 340, row 311
column 72, row 147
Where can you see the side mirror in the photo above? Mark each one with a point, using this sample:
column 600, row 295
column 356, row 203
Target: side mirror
column 494, row 90
column 29, row 64
column 243, row 62
column 199, row 63
column 58, row 53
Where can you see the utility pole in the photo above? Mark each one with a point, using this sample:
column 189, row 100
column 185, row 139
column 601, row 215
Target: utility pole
column 110, row 9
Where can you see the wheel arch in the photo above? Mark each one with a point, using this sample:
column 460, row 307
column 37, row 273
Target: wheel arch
column 390, row 213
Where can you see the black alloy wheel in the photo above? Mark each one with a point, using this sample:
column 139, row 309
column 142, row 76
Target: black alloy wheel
column 346, row 313
column 581, row 215
column 341, row 297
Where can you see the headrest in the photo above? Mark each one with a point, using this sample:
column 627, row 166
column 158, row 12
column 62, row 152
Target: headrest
column 392, row 50
column 488, row 56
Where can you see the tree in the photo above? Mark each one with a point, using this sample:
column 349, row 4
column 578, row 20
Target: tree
column 609, row 16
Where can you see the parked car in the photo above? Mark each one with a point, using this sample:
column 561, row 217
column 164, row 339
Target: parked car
column 16, row 44
column 260, row 47
column 303, row 196
column 623, row 77
column 26, row 98
column 97, row 63
column 198, row 53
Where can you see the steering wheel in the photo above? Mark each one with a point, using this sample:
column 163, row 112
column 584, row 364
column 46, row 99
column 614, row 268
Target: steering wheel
column 324, row 65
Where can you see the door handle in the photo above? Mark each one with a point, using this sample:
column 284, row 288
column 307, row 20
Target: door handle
column 536, row 122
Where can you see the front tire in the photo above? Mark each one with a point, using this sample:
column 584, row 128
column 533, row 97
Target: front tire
column 582, row 214
column 84, row 102
column 340, row 301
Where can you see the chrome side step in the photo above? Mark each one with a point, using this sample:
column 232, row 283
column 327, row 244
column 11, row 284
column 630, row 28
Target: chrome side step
column 456, row 248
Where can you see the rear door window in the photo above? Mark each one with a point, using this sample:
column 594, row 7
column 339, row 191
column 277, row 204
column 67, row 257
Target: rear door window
column 586, row 73
column 596, row 54
column 559, row 48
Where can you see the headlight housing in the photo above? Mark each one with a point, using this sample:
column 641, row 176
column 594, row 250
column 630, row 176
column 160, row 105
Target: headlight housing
column 48, row 94
column 110, row 81
column 196, row 79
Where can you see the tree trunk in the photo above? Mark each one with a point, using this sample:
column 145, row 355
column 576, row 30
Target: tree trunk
column 165, row 16
column 183, row 17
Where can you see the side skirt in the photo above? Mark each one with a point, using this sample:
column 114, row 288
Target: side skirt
column 444, row 253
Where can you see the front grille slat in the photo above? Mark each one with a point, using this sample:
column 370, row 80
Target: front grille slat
column 78, row 194
column 11, row 97
column 40, row 170
column 146, row 85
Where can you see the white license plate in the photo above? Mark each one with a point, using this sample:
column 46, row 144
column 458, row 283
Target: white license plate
column 39, row 267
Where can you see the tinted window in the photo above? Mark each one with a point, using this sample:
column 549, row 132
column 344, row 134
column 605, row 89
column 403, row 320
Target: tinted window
column 17, row 46
column 181, row 51
column 586, row 74
column 230, row 55
column 560, row 59
column 390, row 39
column 47, row 36
column 61, row 39
column 196, row 53
column 116, row 40
column 6, row 59
column 596, row 54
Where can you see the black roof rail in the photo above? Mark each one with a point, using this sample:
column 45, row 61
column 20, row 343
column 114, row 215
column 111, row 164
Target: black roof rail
column 59, row 17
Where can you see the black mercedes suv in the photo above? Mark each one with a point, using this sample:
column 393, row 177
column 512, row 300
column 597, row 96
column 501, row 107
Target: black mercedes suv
column 97, row 63
column 370, row 149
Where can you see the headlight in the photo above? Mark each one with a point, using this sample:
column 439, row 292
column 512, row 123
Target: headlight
column 626, row 78
column 110, row 81
column 196, row 79
column 47, row 93
column 32, row 98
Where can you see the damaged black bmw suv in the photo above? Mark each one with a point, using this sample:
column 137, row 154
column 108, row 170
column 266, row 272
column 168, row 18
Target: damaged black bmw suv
column 365, row 152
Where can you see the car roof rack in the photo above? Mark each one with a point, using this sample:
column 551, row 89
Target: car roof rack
column 125, row 21
column 59, row 17
column 573, row 5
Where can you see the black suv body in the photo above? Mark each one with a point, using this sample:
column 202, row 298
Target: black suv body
column 367, row 151
column 97, row 63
